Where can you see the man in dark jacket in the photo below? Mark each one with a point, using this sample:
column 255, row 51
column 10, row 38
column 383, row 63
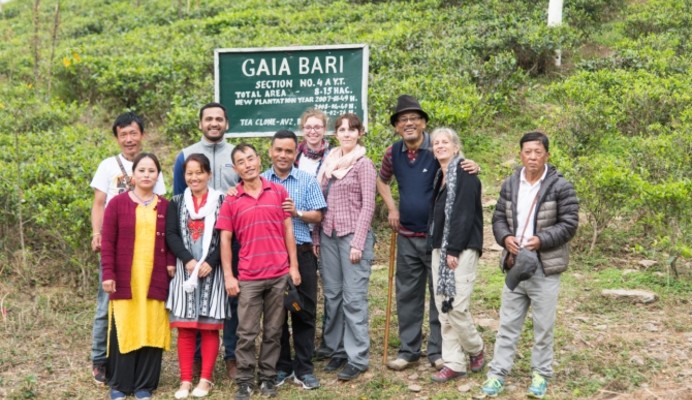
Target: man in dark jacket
column 537, row 210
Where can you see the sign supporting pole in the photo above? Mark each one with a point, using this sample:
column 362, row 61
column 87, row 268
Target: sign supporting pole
column 555, row 19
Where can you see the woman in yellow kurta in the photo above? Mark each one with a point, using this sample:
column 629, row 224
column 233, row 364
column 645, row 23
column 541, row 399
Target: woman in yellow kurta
column 136, row 264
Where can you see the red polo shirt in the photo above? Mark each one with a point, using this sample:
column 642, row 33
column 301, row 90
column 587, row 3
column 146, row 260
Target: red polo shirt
column 258, row 224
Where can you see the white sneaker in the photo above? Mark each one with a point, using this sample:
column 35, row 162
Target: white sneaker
column 438, row 364
column 399, row 364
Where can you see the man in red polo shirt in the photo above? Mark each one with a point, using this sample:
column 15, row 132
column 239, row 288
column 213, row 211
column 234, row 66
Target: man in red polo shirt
column 267, row 255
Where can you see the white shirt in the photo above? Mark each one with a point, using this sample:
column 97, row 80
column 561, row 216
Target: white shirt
column 527, row 193
column 309, row 165
column 108, row 178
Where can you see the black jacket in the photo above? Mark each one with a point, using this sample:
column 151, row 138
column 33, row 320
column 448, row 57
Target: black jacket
column 466, row 223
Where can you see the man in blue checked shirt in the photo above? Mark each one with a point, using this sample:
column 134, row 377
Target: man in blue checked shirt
column 305, row 204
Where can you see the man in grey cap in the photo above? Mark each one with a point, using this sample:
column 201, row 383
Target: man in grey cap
column 538, row 211
column 411, row 161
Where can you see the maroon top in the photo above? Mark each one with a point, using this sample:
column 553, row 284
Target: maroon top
column 118, row 244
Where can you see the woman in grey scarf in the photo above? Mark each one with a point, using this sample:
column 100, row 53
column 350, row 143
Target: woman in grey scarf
column 456, row 233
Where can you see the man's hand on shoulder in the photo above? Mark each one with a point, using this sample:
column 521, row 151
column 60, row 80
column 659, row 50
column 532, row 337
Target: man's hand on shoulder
column 232, row 191
column 470, row 166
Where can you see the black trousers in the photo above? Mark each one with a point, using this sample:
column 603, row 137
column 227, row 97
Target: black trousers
column 133, row 371
column 302, row 322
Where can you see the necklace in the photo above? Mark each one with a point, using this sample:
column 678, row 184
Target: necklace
column 144, row 202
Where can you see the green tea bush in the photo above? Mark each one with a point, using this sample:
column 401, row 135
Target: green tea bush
column 626, row 141
column 45, row 171
column 658, row 16
column 481, row 68
column 606, row 186
column 624, row 127
column 588, row 15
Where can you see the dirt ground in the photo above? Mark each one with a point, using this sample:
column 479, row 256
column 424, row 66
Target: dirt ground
column 605, row 349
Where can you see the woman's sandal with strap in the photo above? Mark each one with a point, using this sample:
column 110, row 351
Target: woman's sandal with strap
column 202, row 392
column 184, row 390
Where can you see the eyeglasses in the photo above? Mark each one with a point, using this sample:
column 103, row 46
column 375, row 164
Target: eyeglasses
column 313, row 128
column 406, row 120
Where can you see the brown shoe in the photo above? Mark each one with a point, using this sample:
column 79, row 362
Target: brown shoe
column 446, row 374
column 231, row 369
column 477, row 362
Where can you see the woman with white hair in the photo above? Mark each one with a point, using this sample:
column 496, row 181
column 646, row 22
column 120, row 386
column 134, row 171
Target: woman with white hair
column 456, row 235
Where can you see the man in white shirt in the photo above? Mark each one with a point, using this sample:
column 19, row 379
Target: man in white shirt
column 538, row 210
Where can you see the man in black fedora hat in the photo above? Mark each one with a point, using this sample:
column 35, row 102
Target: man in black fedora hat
column 411, row 161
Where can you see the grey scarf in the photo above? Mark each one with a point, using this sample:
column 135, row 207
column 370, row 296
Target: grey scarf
column 445, row 284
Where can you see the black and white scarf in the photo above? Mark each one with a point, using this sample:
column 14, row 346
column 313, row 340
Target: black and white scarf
column 212, row 295
column 445, row 284
column 208, row 212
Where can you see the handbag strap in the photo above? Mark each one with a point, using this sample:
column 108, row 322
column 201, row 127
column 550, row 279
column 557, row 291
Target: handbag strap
column 526, row 223
column 128, row 178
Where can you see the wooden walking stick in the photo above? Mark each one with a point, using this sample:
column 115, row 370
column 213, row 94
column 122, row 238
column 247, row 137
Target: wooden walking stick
column 392, row 252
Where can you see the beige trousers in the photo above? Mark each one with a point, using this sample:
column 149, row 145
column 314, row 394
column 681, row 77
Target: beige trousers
column 459, row 334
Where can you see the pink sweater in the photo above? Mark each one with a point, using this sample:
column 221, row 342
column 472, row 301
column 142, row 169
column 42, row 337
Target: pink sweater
column 117, row 248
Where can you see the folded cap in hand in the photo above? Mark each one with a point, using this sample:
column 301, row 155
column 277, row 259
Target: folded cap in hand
column 525, row 265
column 292, row 301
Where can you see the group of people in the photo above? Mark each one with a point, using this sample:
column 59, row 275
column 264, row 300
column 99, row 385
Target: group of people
column 233, row 240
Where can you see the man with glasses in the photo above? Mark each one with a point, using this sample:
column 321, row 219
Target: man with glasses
column 411, row 161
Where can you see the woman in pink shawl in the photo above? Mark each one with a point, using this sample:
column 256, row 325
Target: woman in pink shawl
column 345, row 243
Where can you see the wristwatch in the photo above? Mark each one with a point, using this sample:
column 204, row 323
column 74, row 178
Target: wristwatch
column 300, row 214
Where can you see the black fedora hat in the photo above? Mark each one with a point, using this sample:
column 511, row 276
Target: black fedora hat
column 406, row 103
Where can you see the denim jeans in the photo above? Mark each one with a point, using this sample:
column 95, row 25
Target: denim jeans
column 99, row 335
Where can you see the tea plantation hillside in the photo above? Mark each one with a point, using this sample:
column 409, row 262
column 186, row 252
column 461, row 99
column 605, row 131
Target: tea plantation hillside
column 618, row 112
